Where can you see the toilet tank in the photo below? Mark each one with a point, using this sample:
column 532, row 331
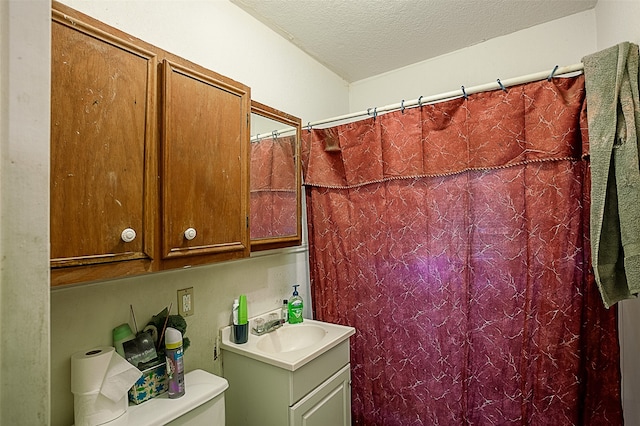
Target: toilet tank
column 202, row 404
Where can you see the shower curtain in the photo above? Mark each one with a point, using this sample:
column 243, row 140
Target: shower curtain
column 454, row 238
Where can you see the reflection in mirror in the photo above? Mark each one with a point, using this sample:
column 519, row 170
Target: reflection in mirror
column 275, row 178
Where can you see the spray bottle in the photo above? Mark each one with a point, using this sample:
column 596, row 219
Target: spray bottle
column 175, row 363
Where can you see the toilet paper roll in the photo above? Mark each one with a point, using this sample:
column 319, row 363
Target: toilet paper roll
column 120, row 376
column 93, row 408
column 88, row 369
column 100, row 380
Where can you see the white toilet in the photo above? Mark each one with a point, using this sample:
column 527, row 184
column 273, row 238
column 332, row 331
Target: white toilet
column 202, row 404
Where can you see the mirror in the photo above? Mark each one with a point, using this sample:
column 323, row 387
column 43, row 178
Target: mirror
column 276, row 179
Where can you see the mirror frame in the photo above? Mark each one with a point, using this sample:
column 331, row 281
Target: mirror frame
column 269, row 243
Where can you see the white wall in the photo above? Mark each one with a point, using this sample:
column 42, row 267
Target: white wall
column 617, row 21
column 540, row 48
column 218, row 35
column 24, row 203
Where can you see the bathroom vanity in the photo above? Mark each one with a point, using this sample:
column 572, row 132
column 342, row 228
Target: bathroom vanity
column 296, row 375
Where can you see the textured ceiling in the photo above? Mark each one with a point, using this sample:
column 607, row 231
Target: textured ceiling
column 361, row 38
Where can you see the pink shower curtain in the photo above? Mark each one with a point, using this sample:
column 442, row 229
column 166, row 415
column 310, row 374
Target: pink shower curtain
column 273, row 191
column 454, row 238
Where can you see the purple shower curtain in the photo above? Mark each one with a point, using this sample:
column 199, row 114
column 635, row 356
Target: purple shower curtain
column 454, row 238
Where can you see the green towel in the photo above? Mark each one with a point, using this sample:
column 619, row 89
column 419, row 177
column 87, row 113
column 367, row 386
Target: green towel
column 611, row 80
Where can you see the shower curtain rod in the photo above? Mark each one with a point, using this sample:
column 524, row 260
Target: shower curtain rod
column 275, row 134
column 462, row 92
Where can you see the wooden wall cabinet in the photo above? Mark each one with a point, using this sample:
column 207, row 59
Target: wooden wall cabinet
column 103, row 149
column 144, row 146
column 204, row 175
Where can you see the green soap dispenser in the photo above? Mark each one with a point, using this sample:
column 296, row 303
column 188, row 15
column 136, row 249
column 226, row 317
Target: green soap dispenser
column 295, row 307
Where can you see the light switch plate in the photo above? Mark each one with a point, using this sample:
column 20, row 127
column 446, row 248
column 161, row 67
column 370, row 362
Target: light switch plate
column 185, row 302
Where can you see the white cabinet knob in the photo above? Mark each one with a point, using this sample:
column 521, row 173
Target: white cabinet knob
column 128, row 235
column 190, row 234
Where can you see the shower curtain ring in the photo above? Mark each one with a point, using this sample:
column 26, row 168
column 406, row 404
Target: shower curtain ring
column 402, row 106
column 552, row 73
column 309, row 126
column 420, row 101
column 501, row 85
column 464, row 93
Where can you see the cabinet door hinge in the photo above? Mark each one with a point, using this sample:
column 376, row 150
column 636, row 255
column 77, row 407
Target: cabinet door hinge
column 247, row 220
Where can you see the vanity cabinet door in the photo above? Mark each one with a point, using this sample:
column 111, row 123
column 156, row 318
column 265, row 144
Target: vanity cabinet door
column 205, row 165
column 102, row 153
column 328, row 404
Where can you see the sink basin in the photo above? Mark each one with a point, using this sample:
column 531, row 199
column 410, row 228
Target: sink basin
column 293, row 338
column 290, row 346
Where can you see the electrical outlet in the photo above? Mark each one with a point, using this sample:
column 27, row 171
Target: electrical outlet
column 185, row 302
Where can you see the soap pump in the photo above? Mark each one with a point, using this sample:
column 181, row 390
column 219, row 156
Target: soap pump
column 295, row 307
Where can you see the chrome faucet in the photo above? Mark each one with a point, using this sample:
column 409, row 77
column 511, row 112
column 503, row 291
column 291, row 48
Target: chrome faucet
column 267, row 327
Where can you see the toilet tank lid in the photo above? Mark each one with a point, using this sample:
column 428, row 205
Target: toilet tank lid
column 207, row 384
column 200, row 387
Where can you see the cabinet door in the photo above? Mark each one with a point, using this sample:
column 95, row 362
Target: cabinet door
column 102, row 150
column 328, row 404
column 204, row 167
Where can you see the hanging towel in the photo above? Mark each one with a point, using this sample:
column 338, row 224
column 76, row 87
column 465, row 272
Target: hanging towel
column 611, row 81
